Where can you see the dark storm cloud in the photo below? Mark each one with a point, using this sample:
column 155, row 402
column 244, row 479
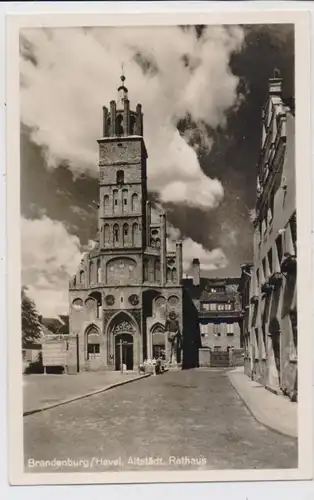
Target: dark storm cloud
column 235, row 151
column 232, row 159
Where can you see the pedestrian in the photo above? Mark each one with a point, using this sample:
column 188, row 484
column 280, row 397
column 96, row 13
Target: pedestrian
column 158, row 366
column 154, row 364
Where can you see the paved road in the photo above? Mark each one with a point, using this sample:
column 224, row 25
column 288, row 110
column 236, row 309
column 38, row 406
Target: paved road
column 194, row 414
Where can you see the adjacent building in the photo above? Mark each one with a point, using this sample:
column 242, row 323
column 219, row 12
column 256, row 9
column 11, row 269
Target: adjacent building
column 270, row 327
column 127, row 291
column 219, row 314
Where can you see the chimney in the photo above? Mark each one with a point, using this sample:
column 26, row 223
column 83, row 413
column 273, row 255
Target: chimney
column 196, row 272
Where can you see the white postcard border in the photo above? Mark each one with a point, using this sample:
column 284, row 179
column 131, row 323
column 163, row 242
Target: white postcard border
column 301, row 20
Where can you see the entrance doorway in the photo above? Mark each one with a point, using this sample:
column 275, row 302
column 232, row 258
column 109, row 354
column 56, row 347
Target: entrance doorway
column 126, row 349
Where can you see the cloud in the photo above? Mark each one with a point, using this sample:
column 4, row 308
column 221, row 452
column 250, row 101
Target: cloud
column 67, row 76
column 209, row 259
column 80, row 212
column 49, row 256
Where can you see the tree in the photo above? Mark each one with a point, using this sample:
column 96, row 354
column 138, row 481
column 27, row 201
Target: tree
column 31, row 328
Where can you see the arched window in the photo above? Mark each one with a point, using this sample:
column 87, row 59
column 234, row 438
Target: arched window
column 125, row 234
column 108, row 126
column 91, row 272
column 115, row 200
column 134, row 234
column 116, row 234
column 119, row 125
column 98, row 271
column 134, row 202
column 124, row 199
column 120, row 177
column 74, row 281
column 106, row 203
column 106, row 234
column 174, row 275
column 82, row 277
column 93, row 343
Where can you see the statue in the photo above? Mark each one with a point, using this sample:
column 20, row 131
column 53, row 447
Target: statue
column 173, row 333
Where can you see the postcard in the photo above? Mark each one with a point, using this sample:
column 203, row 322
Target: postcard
column 158, row 172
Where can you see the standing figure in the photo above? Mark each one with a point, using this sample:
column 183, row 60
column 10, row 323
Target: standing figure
column 173, row 333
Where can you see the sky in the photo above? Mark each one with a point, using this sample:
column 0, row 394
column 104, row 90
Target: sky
column 202, row 90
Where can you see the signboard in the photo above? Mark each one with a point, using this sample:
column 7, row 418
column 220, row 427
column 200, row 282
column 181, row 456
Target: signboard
column 54, row 352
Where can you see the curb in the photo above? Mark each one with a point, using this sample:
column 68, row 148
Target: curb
column 82, row 396
column 258, row 413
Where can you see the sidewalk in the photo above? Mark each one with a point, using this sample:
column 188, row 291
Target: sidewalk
column 271, row 410
column 42, row 392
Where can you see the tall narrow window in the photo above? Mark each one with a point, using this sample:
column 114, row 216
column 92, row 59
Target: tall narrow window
column 124, row 200
column 217, row 329
column 125, row 234
column 134, row 202
column 82, row 278
column 157, row 271
column 106, row 204
column 279, row 247
column 119, row 125
column 98, row 271
column 132, row 125
column 293, row 229
column 271, row 207
column 270, row 260
column 134, row 234
column 115, row 200
column 174, row 275
column 230, row 329
column 106, row 234
column 108, row 126
column 168, row 274
column 120, row 177
column 115, row 234
column 145, row 269
column 264, row 268
column 91, row 272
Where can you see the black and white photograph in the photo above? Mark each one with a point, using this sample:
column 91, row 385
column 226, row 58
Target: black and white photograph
column 159, row 239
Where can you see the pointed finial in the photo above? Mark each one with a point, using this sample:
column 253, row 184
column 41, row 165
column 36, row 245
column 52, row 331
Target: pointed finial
column 122, row 77
column 123, row 91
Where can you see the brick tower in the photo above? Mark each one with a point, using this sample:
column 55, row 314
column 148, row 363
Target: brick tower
column 127, row 286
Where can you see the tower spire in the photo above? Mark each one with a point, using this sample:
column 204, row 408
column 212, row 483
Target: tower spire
column 123, row 91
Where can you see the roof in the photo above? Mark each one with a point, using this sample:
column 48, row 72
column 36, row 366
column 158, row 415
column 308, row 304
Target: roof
column 216, row 297
column 201, row 291
column 56, row 325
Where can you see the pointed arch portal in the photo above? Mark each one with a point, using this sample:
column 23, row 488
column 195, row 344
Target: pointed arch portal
column 122, row 330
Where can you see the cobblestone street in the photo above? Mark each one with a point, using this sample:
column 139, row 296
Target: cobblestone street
column 193, row 413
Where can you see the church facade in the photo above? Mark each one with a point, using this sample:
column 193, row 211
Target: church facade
column 127, row 291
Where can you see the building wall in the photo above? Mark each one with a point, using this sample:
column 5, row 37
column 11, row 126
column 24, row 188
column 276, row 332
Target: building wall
column 273, row 345
column 229, row 335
